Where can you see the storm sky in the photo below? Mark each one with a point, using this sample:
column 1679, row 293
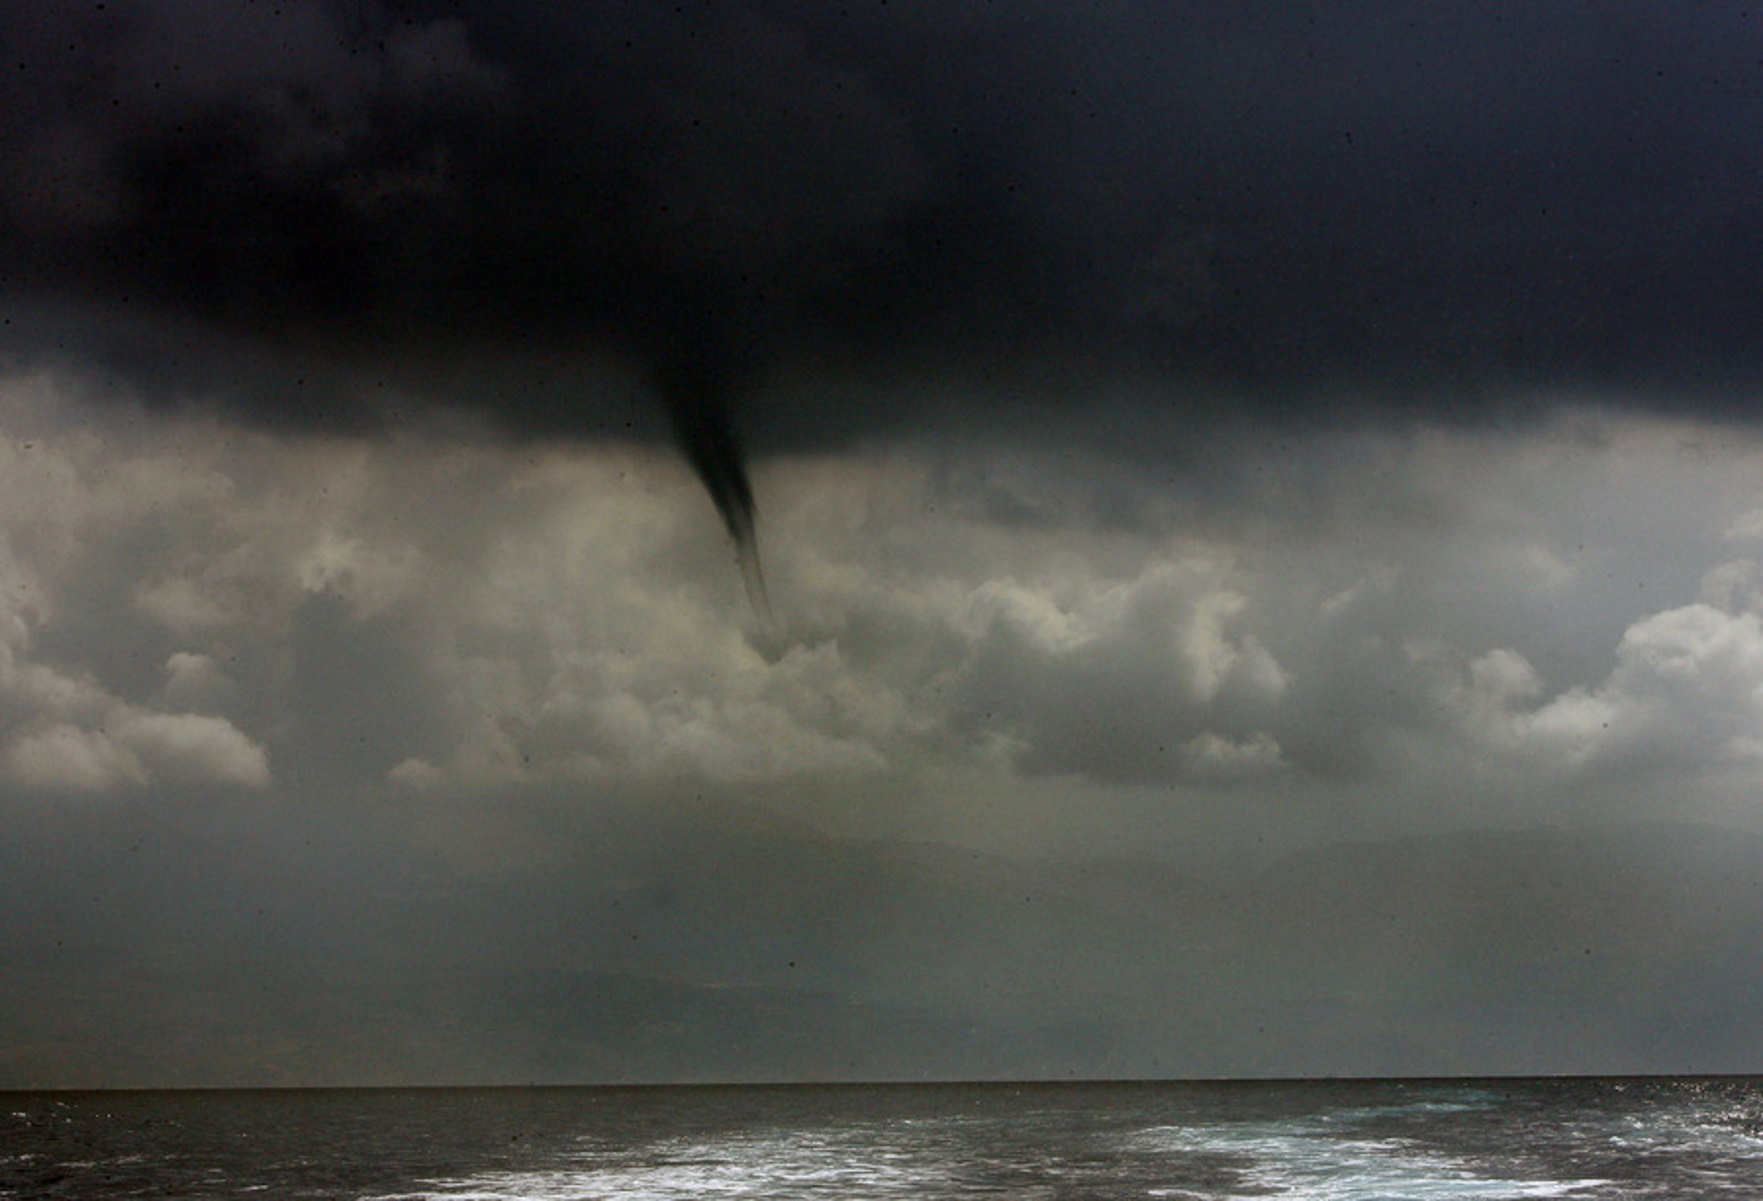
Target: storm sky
column 784, row 540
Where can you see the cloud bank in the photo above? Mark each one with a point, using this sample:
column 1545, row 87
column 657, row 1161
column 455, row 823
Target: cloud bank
column 197, row 600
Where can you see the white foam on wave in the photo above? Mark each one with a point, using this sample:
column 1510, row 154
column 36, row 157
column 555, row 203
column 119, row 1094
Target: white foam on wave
column 772, row 1166
column 1304, row 1158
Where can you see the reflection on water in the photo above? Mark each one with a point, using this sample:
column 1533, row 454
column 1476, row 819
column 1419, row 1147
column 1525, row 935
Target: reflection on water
column 803, row 1164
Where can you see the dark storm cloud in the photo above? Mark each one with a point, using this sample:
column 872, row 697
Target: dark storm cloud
column 1458, row 203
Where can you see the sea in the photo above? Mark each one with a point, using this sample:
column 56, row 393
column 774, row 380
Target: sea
column 1317, row 1140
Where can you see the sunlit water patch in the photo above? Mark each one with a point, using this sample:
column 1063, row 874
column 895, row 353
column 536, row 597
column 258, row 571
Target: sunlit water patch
column 1316, row 1160
column 779, row 1165
column 1318, row 1141
column 1041, row 1153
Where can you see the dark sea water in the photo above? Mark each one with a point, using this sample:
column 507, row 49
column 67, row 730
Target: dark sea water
column 1321, row 1141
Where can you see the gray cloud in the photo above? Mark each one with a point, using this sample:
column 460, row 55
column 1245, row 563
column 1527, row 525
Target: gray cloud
column 1144, row 678
column 418, row 611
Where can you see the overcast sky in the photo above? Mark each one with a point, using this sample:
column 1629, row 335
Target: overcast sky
column 777, row 540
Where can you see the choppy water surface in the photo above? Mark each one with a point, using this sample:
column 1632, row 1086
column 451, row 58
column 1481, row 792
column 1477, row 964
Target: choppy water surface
column 1324, row 1141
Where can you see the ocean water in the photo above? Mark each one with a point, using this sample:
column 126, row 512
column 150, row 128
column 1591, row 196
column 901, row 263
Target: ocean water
column 1319, row 1141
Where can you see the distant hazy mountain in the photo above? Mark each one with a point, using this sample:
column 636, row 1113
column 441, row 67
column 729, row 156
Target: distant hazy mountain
column 647, row 952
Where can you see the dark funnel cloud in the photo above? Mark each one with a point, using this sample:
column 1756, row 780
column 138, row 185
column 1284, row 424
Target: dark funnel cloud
column 698, row 378
column 1291, row 211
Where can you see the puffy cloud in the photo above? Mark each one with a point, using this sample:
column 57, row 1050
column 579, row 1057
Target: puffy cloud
column 417, row 773
column 423, row 610
column 371, row 578
column 191, row 748
column 77, row 495
column 62, row 756
column 69, row 732
column 1113, row 677
column 1734, row 587
column 1501, row 678
column 133, row 748
column 1686, row 693
column 1210, row 757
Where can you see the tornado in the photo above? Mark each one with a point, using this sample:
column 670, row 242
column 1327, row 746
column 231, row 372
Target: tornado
column 698, row 385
